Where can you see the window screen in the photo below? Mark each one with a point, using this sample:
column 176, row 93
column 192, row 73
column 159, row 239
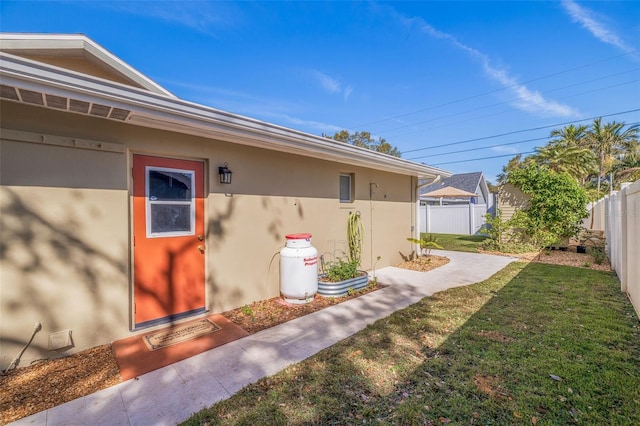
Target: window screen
column 345, row 188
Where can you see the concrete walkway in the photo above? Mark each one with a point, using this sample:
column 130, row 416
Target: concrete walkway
column 171, row 394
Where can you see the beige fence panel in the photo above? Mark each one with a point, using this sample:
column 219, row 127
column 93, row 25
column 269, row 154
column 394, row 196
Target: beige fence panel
column 597, row 214
column 630, row 233
column 618, row 214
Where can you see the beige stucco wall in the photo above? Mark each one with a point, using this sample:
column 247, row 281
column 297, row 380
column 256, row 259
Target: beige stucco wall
column 66, row 229
column 65, row 251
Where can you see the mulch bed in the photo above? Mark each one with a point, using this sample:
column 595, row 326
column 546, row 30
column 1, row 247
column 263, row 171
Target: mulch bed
column 48, row 383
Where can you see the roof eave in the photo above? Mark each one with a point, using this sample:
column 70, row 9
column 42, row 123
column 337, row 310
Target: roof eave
column 169, row 113
column 62, row 42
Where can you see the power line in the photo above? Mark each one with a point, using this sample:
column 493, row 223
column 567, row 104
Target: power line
column 477, row 149
column 488, row 147
column 516, row 99
column 497, row 113
column 483, row 158
column 491, row 146
column 492, row 91
column 521, row 131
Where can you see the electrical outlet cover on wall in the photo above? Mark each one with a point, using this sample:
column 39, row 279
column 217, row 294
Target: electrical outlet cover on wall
column 60, row 340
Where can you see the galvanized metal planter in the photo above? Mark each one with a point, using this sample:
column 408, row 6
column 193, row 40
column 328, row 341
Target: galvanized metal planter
column 341, row 288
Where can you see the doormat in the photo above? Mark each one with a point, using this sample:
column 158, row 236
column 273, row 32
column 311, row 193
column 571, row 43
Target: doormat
column 179, row 334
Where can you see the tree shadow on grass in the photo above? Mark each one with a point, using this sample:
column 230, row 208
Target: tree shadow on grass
column 494, row 347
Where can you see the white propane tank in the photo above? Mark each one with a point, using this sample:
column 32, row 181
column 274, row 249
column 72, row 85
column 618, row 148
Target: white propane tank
column 298, row 269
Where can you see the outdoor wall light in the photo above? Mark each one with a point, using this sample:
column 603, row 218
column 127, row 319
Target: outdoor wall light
column 225, row 173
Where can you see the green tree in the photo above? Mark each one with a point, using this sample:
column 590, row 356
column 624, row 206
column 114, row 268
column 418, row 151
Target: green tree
column 568, row 153
column 365, row 140
column 514, row 163
column 608, row 141
column 626, row 167
column 557, row 204
column 517, row 162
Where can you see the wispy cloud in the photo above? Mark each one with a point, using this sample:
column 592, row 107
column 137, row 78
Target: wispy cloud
column 524, row 98
column 204, row 17
column 347, row 92
column 331, row 84
column 596, row 27
column 506, row 149
column 307, row 125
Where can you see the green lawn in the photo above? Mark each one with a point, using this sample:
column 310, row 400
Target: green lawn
column 469, row 243
column 535, row 344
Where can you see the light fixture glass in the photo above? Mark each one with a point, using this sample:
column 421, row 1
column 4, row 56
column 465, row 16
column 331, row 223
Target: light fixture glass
column 225, row 173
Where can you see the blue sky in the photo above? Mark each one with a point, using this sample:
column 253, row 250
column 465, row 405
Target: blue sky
column 446, row 82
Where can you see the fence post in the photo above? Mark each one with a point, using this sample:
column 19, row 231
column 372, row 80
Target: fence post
column 428, row 219
column 472, row 218
column 623, row 274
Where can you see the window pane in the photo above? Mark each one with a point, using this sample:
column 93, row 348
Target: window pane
column 345, row 188
column 170, row 218
column 169, row 186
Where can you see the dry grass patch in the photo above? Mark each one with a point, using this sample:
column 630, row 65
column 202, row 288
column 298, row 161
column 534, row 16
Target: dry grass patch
column 495, row 336
column 491, row 386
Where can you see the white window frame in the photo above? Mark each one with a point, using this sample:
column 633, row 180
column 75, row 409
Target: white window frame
column 350, row 176
column 191, row 203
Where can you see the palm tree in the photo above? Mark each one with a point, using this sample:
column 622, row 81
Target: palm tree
column 569, row 135
column 627, row 166
column 567, row 153
column 608, row 141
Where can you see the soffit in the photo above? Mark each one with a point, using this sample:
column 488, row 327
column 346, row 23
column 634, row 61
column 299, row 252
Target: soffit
column 41, row 85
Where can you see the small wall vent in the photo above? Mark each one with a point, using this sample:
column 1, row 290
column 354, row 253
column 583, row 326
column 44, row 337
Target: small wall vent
column 60, row 340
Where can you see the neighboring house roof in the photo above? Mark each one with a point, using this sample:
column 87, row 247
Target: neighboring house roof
column 449, row 191
column 464, row 181
column 35, row 81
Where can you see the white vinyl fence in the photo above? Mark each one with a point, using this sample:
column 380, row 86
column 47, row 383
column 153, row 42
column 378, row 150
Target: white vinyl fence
column 464, row 219
column 618, row 215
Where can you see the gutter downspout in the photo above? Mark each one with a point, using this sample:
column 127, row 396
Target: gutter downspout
column 419, row 186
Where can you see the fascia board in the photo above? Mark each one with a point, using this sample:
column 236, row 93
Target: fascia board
column 53, row 42
column 151, row 110
column 303, row 145
column 107, row 57
column 23, row 41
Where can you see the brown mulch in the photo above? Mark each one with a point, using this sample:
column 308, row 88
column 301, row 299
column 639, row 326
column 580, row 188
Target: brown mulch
column 49, row 383
column 567, row 257
column 271, row 312
column 424, row 263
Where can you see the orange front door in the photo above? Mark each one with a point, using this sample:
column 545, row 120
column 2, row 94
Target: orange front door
column 168, row 239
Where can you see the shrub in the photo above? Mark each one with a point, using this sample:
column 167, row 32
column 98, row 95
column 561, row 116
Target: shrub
column 428, row 242
column 341, row 270
column 506, row 236
column 556, row 207
column 599, row 255
column 555, row 211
